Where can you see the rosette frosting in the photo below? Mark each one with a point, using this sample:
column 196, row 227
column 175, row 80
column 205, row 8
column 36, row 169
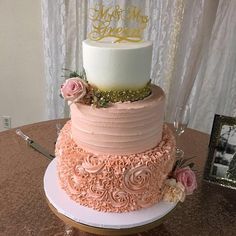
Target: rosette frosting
column 114, row 183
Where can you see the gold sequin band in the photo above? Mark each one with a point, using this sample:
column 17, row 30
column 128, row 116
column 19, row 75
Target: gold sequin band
column 123, row 95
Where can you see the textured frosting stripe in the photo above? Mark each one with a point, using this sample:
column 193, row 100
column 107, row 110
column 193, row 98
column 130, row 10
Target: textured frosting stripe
column 142, row 144
column 120, row 138
column 123, row 128
column 114, row 183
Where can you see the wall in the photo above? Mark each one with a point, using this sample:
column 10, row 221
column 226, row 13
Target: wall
column 22, row 93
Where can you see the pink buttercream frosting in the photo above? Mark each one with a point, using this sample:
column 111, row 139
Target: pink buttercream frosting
column 114, row 183
column 122, row 128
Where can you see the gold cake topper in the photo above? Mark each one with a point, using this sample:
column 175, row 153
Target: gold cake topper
column 104, row 18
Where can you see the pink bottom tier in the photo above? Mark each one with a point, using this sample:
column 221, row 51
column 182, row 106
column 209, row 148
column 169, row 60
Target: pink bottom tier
column 114, row 183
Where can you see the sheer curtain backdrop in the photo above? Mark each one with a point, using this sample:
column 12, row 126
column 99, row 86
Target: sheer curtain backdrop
column 194, row 52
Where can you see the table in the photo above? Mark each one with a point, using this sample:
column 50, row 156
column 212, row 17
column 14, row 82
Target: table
column 211, row 210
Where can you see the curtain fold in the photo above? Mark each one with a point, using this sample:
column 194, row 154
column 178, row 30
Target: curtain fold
column 193, row 46
column 193, row 52
column 54, row 16
column 218, row 91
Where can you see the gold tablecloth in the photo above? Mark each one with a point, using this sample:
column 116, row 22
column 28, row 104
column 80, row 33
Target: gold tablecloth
column 211, row 210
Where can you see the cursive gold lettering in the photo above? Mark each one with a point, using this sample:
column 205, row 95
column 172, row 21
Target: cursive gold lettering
column 103, row 17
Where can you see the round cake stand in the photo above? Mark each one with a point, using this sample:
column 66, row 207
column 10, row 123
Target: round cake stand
column 102, row 223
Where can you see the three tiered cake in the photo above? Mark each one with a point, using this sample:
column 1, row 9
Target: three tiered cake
column 115, row 153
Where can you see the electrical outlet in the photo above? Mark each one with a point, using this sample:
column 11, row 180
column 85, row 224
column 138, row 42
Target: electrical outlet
column 6, row 121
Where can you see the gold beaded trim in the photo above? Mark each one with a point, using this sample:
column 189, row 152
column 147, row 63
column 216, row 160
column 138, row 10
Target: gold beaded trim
column 123, row 95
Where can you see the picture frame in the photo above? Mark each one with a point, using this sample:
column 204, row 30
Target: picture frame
column 220, row 167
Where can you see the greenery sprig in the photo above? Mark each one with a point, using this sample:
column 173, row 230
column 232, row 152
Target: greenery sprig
column 73, row 74
column 184, row 162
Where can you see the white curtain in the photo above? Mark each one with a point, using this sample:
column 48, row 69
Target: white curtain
column 193, row 60
column 215, row 86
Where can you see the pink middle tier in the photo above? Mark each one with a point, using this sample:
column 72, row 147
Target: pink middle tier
column 122, row 128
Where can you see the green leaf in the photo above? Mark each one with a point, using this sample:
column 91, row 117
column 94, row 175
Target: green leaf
column 191, row 165
column 184, row 161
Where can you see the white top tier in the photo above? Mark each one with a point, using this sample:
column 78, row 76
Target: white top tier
column 117, row 65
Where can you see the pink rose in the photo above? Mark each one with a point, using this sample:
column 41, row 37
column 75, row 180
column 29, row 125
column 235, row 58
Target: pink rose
column 74, row 89
column 186, row 177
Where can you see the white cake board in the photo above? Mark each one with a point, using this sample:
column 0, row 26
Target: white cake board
column 84, row 215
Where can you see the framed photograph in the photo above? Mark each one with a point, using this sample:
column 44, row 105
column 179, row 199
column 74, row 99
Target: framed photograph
column 220, row 166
